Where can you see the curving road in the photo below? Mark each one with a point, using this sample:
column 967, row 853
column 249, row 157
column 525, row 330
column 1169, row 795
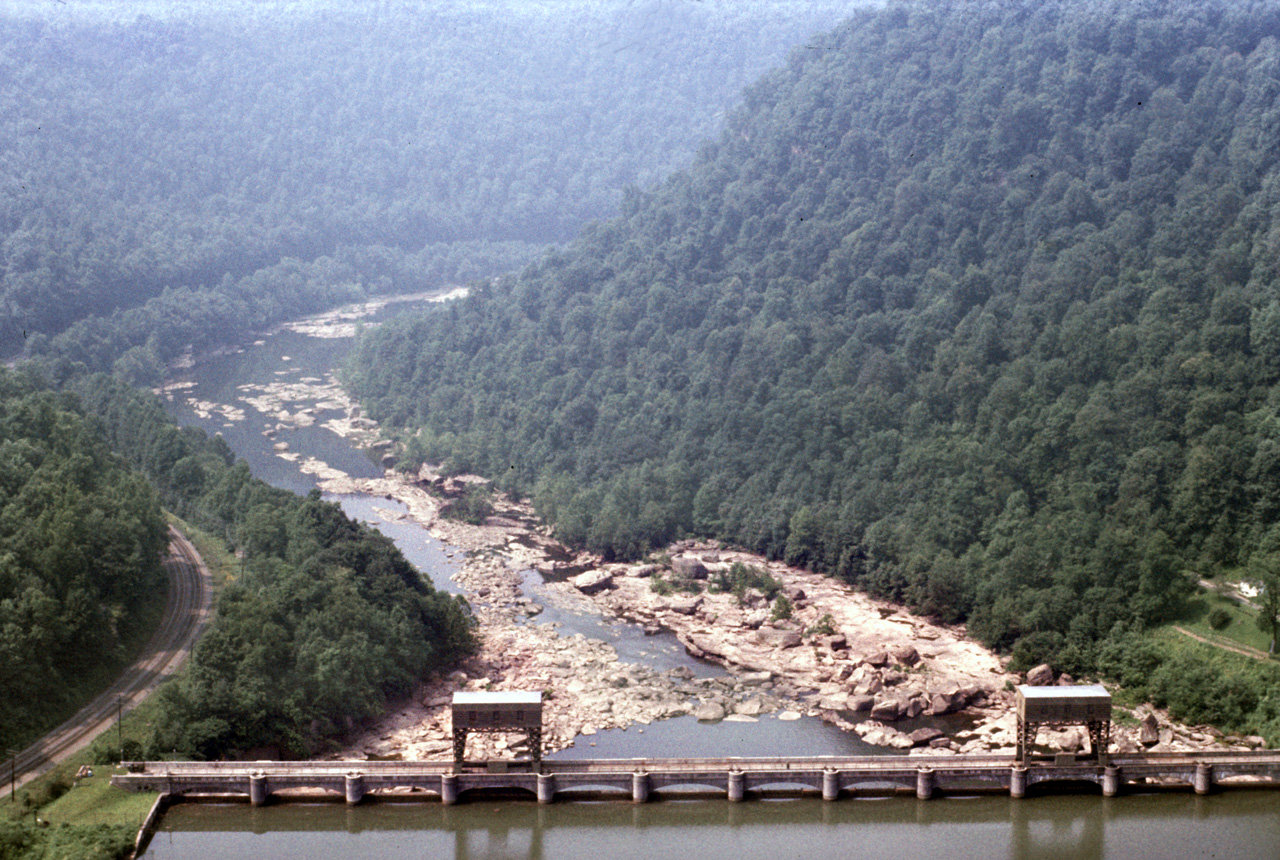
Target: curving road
column 185, row 613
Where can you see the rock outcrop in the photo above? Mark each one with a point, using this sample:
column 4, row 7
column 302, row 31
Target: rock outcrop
column 593, row 581
column 1040, row 676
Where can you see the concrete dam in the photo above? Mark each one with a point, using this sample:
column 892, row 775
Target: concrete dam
column 737, row 779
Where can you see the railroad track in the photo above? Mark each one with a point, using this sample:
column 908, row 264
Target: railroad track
column 186, row 611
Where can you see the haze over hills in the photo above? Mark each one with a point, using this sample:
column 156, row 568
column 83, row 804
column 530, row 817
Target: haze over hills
column 178, row 172
column 972, row 304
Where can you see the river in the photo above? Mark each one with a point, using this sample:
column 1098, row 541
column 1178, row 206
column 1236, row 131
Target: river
column 1240, row 824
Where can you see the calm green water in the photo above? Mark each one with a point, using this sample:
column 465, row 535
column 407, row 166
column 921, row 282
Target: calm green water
column 1239, row 824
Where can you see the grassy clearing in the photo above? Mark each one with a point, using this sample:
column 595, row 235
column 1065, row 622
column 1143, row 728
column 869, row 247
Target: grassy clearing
column 1241, row 629
column 93, row 800
column 60, row 798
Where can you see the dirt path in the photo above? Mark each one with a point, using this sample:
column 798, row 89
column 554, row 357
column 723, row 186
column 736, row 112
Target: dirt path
column 186, row 611
column 1242, row 650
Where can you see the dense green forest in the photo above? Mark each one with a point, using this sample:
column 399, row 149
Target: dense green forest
column 81, row 537
column 974, row 304
column 325, row 622
column 182, row 175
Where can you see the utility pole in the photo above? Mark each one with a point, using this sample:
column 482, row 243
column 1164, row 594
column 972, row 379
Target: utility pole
column 13, row 775
column 120, row 726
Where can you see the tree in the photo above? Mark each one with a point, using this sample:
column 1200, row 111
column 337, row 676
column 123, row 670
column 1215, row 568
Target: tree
column 1265, row 571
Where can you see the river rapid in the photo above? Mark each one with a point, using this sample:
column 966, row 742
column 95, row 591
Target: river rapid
column 222, row 393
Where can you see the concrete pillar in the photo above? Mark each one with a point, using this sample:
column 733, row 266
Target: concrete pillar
column 924, row 783
column 546, row 788
column 1018, row 781
column 1111, row 781
column 640, row 786
column 449, row 789
column 737, row 785
column 830, row 784
column 258, row 789
column 1203, row 781
column 353, row 788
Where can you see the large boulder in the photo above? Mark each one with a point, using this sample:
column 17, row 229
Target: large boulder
column 886, row 710
column 878, row 659
column 593, row 581
column 948, row 700
column 870, row 684
column 921, row 737
column 912, row 708
column 892, row 678
column 707, row 644
column 859, row 703
column 685, row 605
column 1040, row 676
column 836, row 642
column 778, row 638
column 710, row 712
column 906, row 655
column 1067, row 741
column 755, row 679
column 831, row 703
column 689, row 568
column 1149, row 730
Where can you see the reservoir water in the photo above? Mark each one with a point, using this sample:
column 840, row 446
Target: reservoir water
column 1242, row 825
column 1233, row 824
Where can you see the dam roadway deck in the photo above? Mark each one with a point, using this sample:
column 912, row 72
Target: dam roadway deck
column 737, row 778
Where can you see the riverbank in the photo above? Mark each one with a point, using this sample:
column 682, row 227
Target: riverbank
column 861, row 664
column 793, row 643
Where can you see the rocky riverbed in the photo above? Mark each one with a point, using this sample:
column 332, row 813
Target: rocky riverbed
column 861, row 664
column 792, row 642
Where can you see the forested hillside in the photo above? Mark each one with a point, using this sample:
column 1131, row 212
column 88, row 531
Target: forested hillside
column 222, row 164
column 973, row 304
column 81, row 538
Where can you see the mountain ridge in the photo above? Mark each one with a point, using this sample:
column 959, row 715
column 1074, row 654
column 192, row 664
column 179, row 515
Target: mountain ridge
column 989, row 328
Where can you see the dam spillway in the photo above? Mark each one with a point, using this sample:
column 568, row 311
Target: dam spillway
column 641, row 779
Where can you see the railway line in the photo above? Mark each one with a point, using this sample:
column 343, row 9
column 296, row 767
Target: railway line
column 186, row 611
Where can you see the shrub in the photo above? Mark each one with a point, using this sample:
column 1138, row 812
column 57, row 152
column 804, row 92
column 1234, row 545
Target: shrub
column 781, row 608
column 824, row 626
column 1219, row 618
column 472, row 506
